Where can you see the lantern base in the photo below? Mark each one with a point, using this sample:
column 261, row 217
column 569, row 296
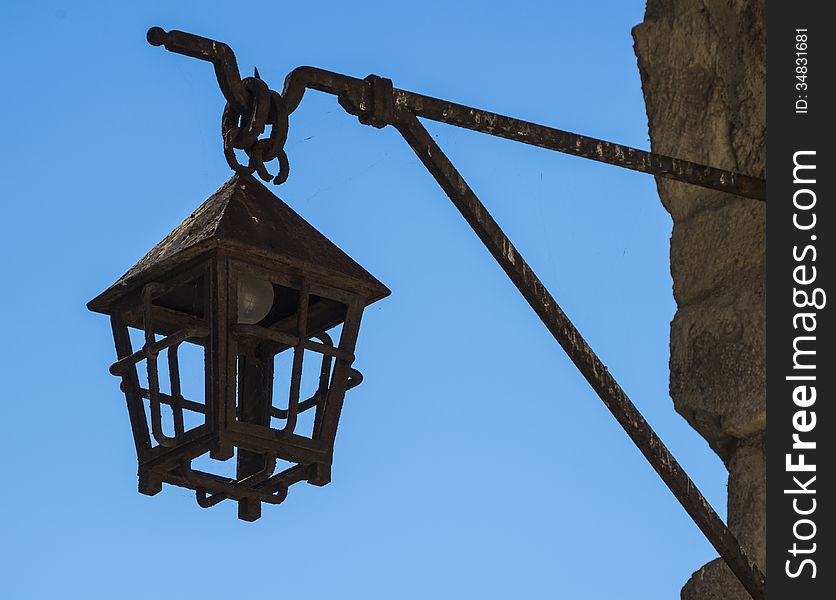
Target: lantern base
column 249, row 492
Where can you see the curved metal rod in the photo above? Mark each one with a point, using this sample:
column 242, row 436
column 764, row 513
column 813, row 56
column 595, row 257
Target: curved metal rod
column 324, row 368
column 176, row 392
column 212, row 489
column 355, row 378
column 346, row 88
column 153, row 374
column 217, row 53
column 207, row 500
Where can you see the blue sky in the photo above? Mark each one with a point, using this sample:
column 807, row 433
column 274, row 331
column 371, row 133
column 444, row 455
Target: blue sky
column 110, row 143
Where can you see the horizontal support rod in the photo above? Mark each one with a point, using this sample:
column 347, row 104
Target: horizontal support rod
column 175, row 402
column 579, row 145
column 290, row 340
column 222, row 486
column 584, row 358
column 155, row 348
column 362, row 99
column 191, row 444
column 355, row 90
column 201, row 408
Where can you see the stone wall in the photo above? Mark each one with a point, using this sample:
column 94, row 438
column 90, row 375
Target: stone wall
column 702, row 65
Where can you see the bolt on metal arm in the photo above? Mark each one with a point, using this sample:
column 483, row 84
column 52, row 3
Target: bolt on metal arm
column 376, row 102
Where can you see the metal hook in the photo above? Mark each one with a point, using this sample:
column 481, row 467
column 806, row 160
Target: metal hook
column 217, row 53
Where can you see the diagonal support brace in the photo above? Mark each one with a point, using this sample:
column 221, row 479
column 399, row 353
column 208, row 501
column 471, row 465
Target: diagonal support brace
column 583, row 357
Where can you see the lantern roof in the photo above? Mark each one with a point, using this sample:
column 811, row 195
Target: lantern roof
column 244, row 216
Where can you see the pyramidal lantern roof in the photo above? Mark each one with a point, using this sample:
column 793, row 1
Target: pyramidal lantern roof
column 244, row 215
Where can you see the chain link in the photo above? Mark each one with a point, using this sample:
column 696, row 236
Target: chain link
column 243, row 131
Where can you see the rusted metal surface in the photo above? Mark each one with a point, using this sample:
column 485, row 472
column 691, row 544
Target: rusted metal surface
column 579, row 145
column 244, row 216
column 252, row 106
column 374, row 100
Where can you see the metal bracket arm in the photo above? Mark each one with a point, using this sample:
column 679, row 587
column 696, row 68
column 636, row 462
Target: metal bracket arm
column 364, row 97
column 375, row 102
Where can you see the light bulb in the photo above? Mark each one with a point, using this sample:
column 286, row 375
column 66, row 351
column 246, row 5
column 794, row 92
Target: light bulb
column 255, row 299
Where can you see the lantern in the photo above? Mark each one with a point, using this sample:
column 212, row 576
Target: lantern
column 248, row 282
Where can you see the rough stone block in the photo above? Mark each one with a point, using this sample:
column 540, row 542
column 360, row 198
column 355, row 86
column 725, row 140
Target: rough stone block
column 718, row 251
column 714, row 581
column 718, row 368
column 747, row 496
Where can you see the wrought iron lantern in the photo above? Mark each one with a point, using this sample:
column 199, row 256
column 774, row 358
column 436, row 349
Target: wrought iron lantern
column 248, row 281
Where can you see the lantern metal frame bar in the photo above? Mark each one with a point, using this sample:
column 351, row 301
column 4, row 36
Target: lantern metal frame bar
column 376, row 102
